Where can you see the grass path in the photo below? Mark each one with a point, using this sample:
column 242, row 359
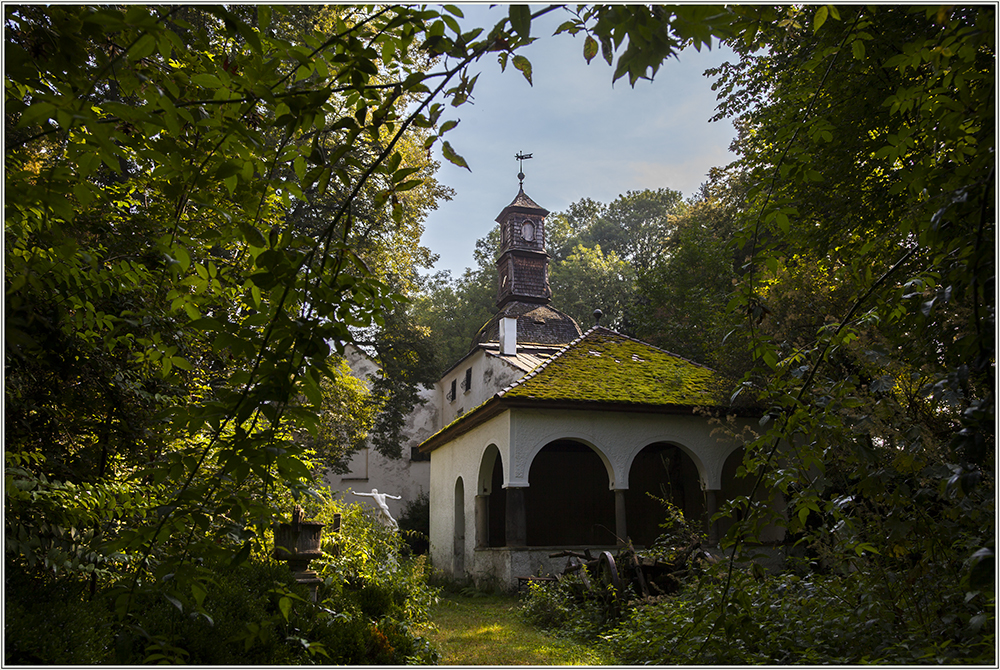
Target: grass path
column 488, row 631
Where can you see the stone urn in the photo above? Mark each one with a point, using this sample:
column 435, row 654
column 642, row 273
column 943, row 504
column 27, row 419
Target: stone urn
column 298, row 543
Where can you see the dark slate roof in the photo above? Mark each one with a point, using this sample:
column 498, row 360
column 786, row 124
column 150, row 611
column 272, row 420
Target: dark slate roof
column 522, row 202
column 536, row 324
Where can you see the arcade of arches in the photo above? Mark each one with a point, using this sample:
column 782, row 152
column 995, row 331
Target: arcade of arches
column 570, row 501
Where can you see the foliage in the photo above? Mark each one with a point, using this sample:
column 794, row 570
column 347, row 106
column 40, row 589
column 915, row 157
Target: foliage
column 590, row 279
column 683, row 292
column 568, row 608
column 348, row 413
column 864, row 187
column 204, row 201
column 415, row 523
column 791, row 619
column 253, row 613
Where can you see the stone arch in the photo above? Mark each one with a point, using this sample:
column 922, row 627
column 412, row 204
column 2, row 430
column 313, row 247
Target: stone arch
column 704, row 476
column 668, row 471
column 568, row 500
column 486, row 464
column 458, row 544
column 491, row 500
column 527, row 457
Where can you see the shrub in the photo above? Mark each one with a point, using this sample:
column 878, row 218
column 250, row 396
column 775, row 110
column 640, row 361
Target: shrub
column 253, row 614
column 791, row 619
column 569, row 608
column 51, row 622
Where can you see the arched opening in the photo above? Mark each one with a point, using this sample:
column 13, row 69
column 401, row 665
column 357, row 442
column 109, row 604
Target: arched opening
column 568, row 500
column 491, row 501
column 458, row 546
column 733, row 486
column 663, row 470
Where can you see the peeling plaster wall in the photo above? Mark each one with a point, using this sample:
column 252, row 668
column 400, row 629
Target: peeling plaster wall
column 489, row 375
column 369, row 469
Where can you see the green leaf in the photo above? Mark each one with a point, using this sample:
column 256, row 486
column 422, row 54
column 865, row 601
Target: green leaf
column 820, row 18
column 590, row 48
column 454, row 158
column 206, row 80
column 858, row 47
column 285, row 605
column 520, row 20
column 253, row 236
column 524, row 65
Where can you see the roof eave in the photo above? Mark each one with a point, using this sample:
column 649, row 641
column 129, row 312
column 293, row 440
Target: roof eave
column 498, row 404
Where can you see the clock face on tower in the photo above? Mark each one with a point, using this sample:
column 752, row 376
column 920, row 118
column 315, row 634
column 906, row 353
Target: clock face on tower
column 528, row 231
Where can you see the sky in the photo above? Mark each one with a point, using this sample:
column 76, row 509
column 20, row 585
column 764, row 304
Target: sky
column 588, row 139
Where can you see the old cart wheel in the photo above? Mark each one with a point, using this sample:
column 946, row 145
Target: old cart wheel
column 607, row 577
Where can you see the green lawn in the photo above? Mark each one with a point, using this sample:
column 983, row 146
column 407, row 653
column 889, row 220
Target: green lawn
column 488, row 631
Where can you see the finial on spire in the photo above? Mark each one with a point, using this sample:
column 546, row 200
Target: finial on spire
column 521, row 157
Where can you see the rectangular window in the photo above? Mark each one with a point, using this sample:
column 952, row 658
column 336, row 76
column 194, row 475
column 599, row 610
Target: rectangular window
column 467, row 384
column 451, row 393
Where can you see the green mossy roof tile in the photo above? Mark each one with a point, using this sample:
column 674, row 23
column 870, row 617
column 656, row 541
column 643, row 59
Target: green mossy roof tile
column 607, row 367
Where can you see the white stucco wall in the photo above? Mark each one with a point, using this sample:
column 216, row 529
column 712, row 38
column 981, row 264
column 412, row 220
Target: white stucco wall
column 461, row 458
column 618, row 437
column 489, row 375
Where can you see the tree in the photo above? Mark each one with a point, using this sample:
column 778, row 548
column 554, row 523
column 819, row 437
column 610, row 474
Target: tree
column 865, row 185
column 685, row 289
column 589, row 279
column 203, row 201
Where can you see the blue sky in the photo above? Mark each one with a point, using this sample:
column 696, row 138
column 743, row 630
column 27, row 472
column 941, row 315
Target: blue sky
column 588, row 138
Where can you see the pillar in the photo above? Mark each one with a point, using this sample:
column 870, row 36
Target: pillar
column 516, row 527
column 621, row 529
column 482, row 521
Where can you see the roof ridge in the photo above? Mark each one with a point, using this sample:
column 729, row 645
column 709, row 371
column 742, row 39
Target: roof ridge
column 660, row 349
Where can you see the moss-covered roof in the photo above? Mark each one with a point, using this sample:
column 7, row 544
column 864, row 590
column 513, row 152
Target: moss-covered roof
column 603, row 370
column 603, row 366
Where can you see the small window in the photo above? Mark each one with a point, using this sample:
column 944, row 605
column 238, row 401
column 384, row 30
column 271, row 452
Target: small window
column 467, row 384
column 451, row 393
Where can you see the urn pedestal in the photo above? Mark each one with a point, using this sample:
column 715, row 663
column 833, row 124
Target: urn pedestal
column 298, row 543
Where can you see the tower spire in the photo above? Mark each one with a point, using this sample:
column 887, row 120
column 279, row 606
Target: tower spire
column 521, row 157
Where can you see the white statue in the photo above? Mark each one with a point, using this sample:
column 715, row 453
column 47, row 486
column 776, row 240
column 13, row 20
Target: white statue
column 379, row 498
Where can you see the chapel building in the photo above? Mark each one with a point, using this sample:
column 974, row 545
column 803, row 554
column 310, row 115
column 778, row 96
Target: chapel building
column 546, row 437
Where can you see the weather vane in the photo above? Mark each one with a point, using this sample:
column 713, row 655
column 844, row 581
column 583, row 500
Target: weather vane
column 520, row 166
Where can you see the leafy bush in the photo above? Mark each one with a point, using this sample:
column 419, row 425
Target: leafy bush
column 415, row 524
column 253, row 613
column 569, row 608
column 785, row 619
column 51, row 622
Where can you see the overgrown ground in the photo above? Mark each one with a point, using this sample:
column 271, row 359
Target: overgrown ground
column 488, row 630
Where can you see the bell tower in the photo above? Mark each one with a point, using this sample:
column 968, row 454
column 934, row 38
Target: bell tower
column 523, row 264
column 524, row 317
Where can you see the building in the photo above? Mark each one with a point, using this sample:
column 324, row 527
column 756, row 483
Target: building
column 562, row 438
column 543, row 437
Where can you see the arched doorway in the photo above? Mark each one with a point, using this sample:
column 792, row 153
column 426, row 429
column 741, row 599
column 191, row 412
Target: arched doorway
column 568, row 500
column 458, row 546
column 667, row 472
column 491, row 501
